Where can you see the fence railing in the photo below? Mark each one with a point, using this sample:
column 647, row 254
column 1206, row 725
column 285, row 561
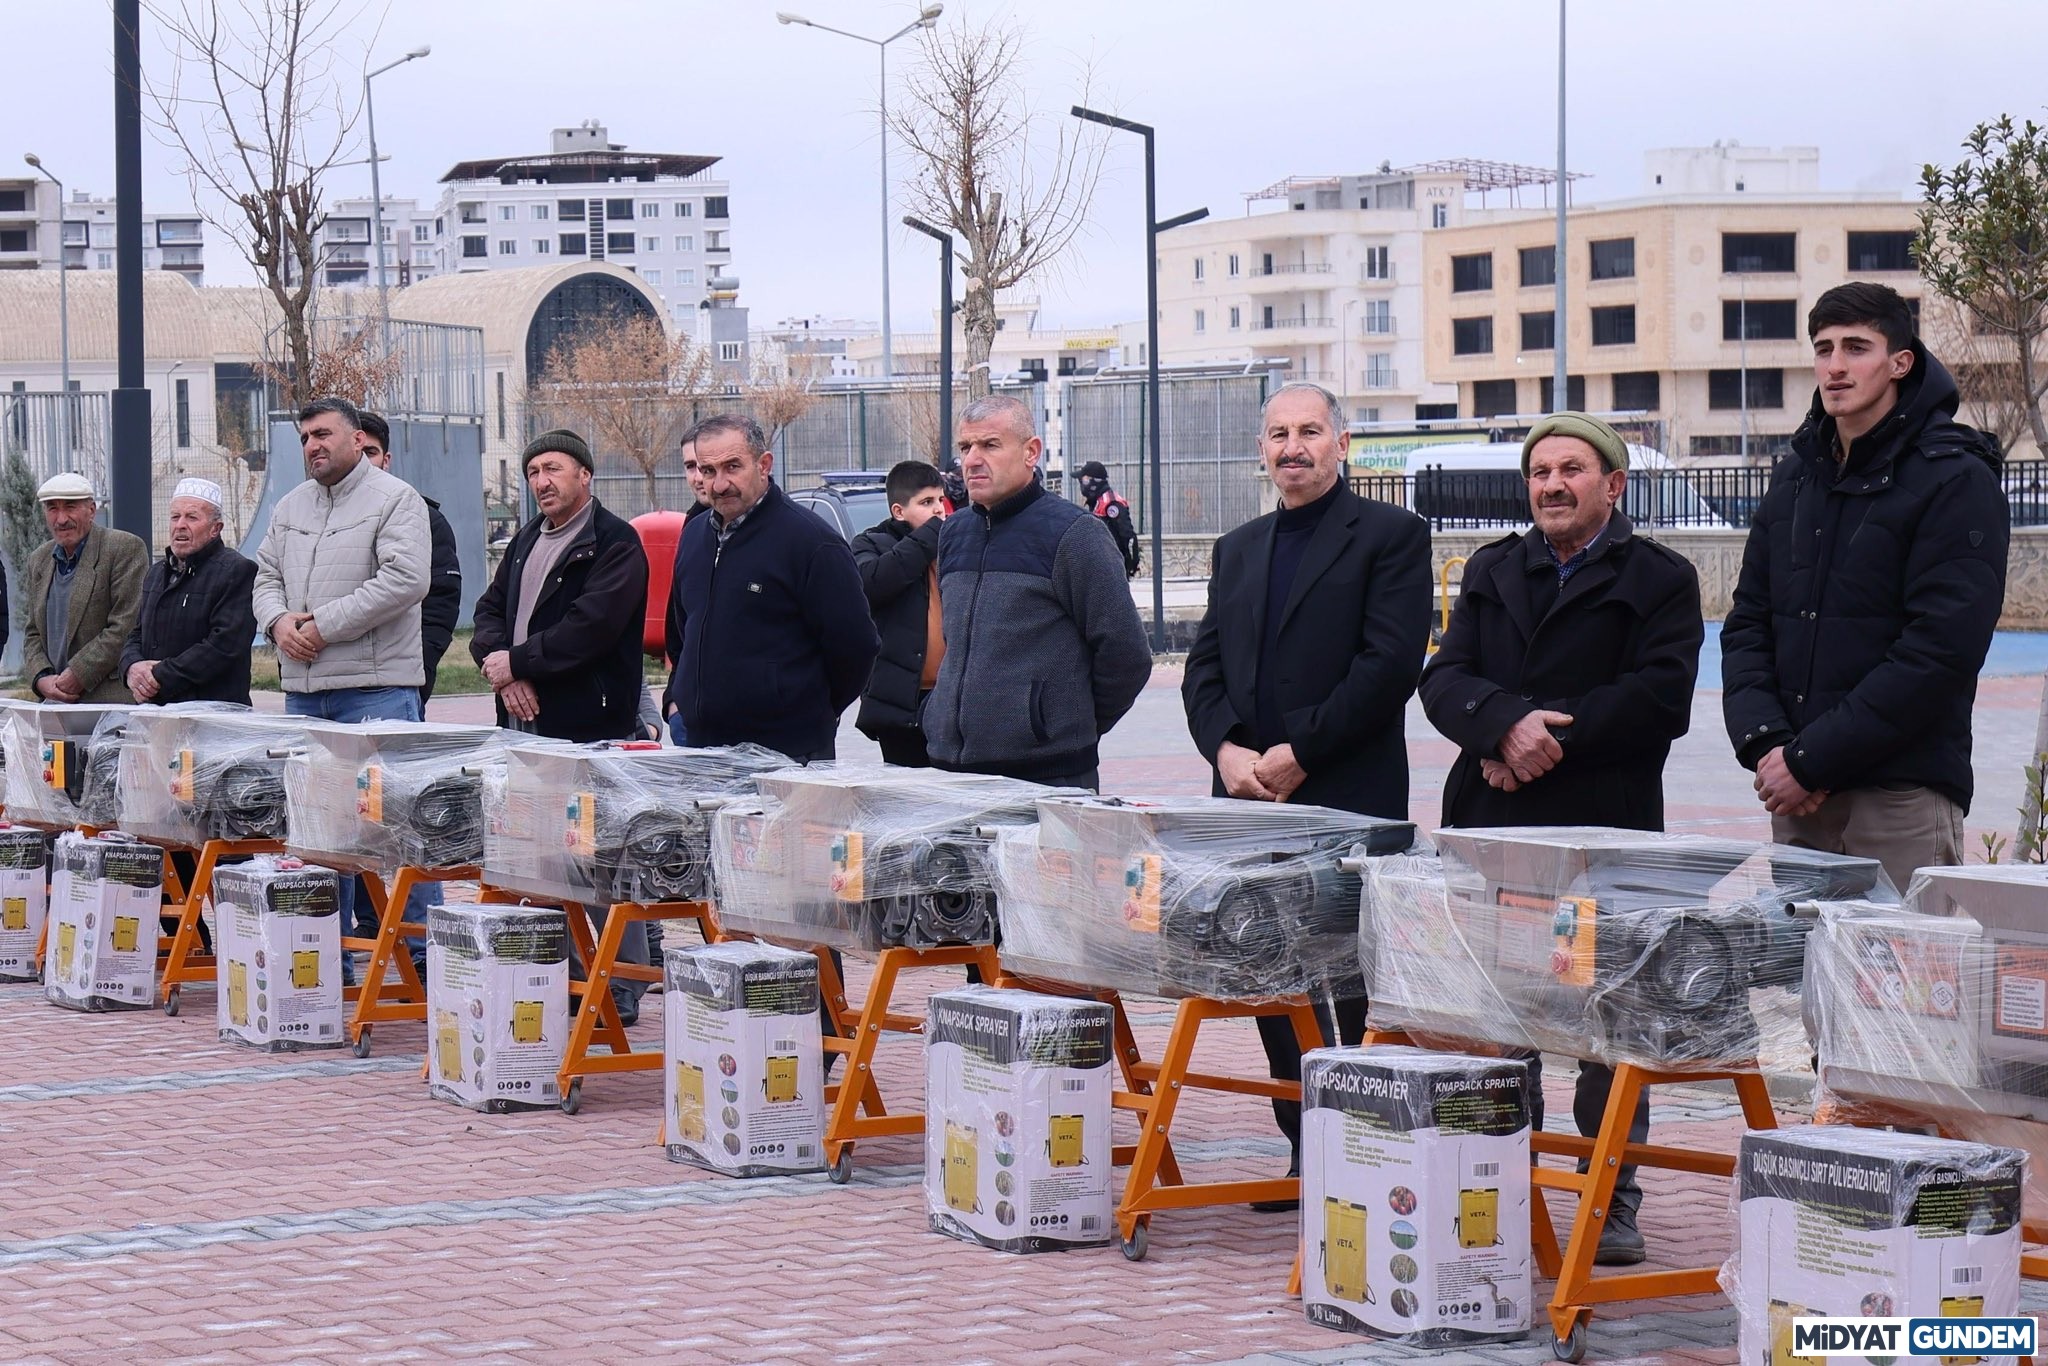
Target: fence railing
column 56, row 432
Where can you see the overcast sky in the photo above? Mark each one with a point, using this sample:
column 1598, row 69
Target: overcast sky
column 1242, row 94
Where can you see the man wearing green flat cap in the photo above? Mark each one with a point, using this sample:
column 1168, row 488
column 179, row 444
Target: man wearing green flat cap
column 1566, row 673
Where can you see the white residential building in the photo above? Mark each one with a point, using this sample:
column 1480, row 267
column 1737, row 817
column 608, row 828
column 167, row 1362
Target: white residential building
column 410, row 250
column 661, row 215
column 29, row 232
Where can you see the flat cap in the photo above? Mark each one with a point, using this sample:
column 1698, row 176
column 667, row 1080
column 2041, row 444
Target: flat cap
column 1591, row 430
column 63, row 488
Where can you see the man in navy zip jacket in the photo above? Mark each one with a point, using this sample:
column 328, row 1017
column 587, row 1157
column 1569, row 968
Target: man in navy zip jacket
column 767, row 623
column 1044, row 648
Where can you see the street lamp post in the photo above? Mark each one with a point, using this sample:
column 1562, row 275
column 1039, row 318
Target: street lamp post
column 1153, row 227
column 1560, row 389
column 1344, row 351
column 928, row 17
column 945, row 241
column 377, row 193
column 63, row 299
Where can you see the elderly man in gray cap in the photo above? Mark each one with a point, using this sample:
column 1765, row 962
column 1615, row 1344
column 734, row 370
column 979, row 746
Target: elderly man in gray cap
column 192, row 637
column 84, row 585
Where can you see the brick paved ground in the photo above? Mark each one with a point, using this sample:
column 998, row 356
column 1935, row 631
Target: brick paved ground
column 173, row 1198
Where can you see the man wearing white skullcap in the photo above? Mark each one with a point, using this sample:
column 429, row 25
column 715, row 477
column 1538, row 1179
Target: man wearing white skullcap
column 83, row 586
column 191, row 640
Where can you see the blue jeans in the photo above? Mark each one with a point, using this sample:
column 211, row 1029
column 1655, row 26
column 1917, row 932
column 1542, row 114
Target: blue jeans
column 348, row 706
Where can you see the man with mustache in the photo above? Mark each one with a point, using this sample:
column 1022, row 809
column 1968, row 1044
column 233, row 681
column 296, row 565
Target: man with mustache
column 1299, row 677
column 84, row 590
column 1566, row 673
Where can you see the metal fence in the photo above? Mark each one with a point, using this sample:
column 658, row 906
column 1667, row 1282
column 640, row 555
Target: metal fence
column 58, row 431
column 437, row 368
column 1208, row 427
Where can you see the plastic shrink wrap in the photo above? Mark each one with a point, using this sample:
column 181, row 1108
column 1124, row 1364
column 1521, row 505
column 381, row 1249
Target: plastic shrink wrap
column 1188, row 896
column 1415, row 1194
column 197, row 771
column 609, row 823
column 497, row 1005
column 745, row 1056
column 24, row 898
column 1017, row 1119
column 866, row 858
column 277, row 954
column 390, row 794
column 106, row 899
column 1938, row 1010
column 50, row 765
column 1855, row 1223
column 1663, row 950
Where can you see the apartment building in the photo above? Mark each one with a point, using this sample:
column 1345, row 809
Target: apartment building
column 37, row 231
column 410, row 250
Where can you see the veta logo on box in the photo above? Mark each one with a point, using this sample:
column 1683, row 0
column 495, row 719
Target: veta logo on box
column 1922, row 1337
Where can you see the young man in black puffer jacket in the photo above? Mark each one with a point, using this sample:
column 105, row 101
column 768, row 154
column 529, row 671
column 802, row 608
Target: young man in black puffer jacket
column 898, row 563
column 1871, row 584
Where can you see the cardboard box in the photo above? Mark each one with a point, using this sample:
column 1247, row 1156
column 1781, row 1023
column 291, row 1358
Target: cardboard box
column 497, row 1005
column 106, row 904
column 745, row 1060
column 24, row 899
column 1415, row 1194
column 277, row 948
column 1017, row 1115
column 1864, row 1223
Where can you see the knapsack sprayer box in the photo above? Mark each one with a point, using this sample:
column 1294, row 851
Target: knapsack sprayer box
column 277, row 953
column 106, row 902
column 497, row 1005
column 24, row 899
column 745, row 1059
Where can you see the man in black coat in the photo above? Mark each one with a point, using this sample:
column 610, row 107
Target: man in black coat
column 1566, row 673
column 1300, row 674
column 767, row 624
column 898, row 563
column 192, row 636
column 443, row 604
column 1871, row 585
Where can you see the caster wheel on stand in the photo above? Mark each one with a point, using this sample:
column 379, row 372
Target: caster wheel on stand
column 171, row 1003
column 572, row 1099
column 841, row 1170
column 1138, row 1243
column 1572, row 1347
column 361, row 1047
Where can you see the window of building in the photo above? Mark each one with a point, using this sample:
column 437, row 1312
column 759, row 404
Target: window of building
column 183, row 405
column 729, row 350
column 1615, row 326
column 1233, row 264
column 13, row 201
column 1379, row 318
column 507, row 247
column 618, row 243
column 1439, row 215
column 1199, row 267
column 1490, row 398
column 1881, row 251
column 1614, row 259
column 1472, row 273
column 686, row 244
column 573, row 243
column 1365, row 414
column 1766, row 388
column 650, row 208
column 686, row 277
column 1539, row 331
column 1539, row 266
column 1201, row 320
column 540, row 213
column 440, row 227
column 1439, row 412
column 1378, row 265
column 569, row 210
column 650, row 244
column 1574, row 393
column 542, row 247
column 473, row 247
column 615, row 209
column 653, row 277
column 714, row 206
column 1236, row 317
column 1471, row 336
column 106, row 258
column 508, row 213
column 1636, row 391
column 419, row 232
column 684, row 208
column 1379, row 371
column 1759, row 253
column 14, row 239
column 1761, row 319
column 714, row 241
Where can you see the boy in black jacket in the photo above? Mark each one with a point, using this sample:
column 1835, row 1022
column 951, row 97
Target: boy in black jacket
column 898, row 562
column 443, row 605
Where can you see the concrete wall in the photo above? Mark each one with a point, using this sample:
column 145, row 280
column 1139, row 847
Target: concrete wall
column 1717, row 554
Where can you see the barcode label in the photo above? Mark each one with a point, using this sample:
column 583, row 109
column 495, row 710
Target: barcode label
column 1486, row 1169
column 1090, row 1223
column 1965, row 1275
column 536, row 981
column 803, row 1150
column 783, row 1046
column 1073, row 1083
column 1503, row 1310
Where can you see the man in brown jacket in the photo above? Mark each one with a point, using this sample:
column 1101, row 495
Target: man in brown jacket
column 84, row 590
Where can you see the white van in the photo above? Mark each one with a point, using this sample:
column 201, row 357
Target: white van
column 1478, row 485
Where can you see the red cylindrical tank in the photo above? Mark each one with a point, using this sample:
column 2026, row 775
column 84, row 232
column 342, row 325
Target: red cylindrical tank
column 660, row 534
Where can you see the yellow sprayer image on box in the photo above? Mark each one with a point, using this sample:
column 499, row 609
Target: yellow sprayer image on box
column 238, row 992
column 127, row 930
column 448, row 1039
column 963, row 1168
column 690, row 1102
column 305, row 969
column 1961, row 1307
column 1782, row 1315
column 1063, row 1141
column 1344, row 1230
column 780, row 1084
column 1478, row 1218
column 14, row 913
column 526, row 1022
column 67, row 949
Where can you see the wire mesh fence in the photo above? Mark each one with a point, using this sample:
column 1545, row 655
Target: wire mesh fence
column 1211, row 480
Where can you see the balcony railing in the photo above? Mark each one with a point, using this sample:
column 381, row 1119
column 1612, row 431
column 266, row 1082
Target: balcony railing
column 1304, row 268
column 1382, row 379
column 1380, row 327
column 1366, row 275
column 1282, row 324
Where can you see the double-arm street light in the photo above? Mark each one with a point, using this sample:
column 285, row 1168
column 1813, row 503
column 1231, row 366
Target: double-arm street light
column 945, row 241
column 1153, row 227
column 377, row 194
column 63, row 293
column 928, row 17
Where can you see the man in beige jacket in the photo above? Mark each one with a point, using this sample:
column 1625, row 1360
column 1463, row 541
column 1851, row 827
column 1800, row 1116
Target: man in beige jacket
column 84, row 590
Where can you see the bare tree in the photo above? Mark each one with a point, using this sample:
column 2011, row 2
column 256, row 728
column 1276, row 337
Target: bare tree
column 627, row 387
column 988, row 167
column 344, row 360
column 253, row 104
column 779, row 392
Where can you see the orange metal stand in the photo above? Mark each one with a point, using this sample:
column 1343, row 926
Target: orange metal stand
column 596, row 1016
column 376, row 1001
column 1155, row 1181
column 857, row 1090
column 186, row 965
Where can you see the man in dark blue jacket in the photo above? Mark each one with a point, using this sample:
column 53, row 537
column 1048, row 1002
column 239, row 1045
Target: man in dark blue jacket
column 767, row 623
column 1044, row 648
